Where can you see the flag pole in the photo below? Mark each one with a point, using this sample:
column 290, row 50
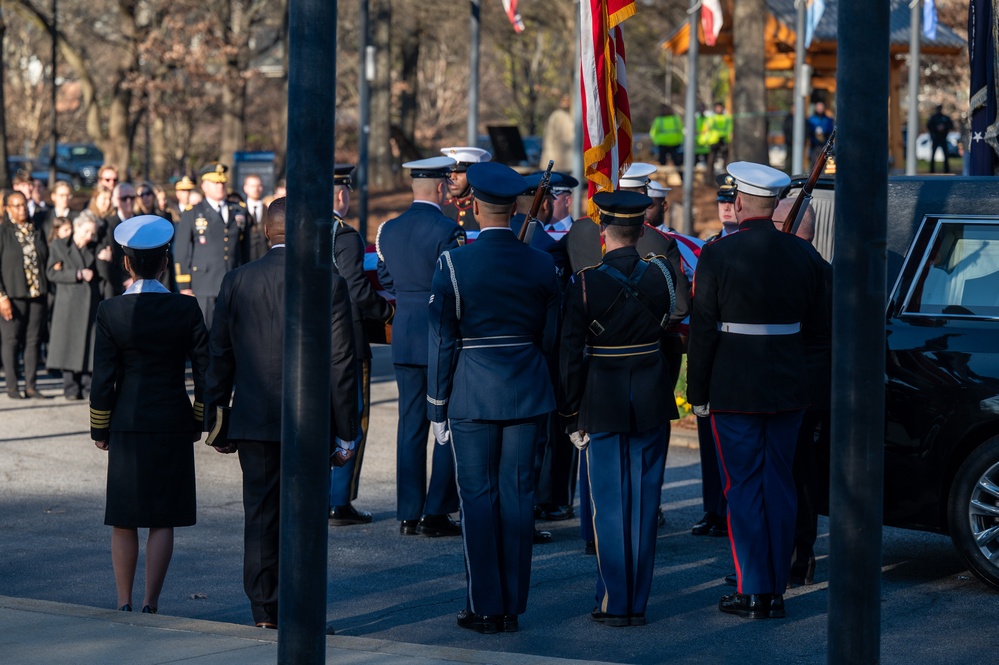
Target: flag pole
column 800, row 91
column 690, row 119
column 915, row 27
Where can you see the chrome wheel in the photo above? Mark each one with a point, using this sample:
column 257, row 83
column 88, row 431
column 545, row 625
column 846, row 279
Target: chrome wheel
column 983, row 513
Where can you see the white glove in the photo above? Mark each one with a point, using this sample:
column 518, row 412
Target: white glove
column 441, row 432
column 702, row 411
column 580, row 439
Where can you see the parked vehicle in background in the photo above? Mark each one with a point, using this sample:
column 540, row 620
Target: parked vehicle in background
column 80, row 161
column 924, row 145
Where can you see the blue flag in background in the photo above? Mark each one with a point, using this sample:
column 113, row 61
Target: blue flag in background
column 813, row 14
column 929, row 19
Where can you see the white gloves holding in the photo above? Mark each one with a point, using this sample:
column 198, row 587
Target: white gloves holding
column 441, row 432
column 580, row 439
column 702, row 411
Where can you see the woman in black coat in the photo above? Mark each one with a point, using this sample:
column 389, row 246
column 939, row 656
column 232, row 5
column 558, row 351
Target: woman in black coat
column 23, row 295
column 140, row 411
column 79, row 272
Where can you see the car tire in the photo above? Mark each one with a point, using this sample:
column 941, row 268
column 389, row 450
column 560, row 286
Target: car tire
column 973, row 511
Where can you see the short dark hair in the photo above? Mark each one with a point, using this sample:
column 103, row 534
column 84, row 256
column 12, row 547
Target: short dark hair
column 147, row 266
column 276, row 217
column 627, row 234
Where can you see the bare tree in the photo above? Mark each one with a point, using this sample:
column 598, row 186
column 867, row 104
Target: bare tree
column 750, row 91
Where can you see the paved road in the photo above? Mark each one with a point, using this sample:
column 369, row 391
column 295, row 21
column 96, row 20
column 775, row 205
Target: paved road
column 54, row 546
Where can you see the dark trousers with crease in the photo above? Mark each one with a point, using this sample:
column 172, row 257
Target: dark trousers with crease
column 415, row 498
column 344, row 480
column 23, row 331
column 712, row 490
column 494, row 463
column 626, row 479
column 261, row 465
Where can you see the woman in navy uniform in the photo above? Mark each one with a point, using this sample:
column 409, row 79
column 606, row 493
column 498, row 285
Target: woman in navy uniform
column 618, row 401
column 493, row 316
column 139, row 409
column 758, row 300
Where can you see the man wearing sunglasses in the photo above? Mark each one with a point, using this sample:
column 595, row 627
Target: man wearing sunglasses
column 122, row 208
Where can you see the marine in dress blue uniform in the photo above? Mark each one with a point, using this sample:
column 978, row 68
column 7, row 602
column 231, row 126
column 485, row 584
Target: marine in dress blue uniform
column 365, row 304
column 408, row 247
column 212, row 238
column 758, row 298
column 458, row 205
column 617, row 401
column 490, row 330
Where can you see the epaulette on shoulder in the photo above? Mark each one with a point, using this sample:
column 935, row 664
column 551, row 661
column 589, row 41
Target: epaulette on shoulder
column 594, row 266
column 653, row 257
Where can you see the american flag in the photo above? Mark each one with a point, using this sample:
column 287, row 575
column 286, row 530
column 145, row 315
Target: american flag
column 604, row 92
column 711, row 20
column 510, row 7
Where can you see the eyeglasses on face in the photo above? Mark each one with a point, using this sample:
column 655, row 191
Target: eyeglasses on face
column 145, row 193
column 126, row 198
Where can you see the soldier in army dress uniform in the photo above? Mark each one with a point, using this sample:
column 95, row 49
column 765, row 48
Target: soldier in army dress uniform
column 365, row 304
column 618, row 401
column 212, row 239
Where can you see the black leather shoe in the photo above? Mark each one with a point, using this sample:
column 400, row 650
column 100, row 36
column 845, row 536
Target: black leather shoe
column 438, row 525
column 487, row 625
column 704, row 526
column 347, row 515
column 636, row 620
column 542, row 537
column 408, row 527
column 125, row 608
column 591, row 548
column 747, row 606
column 719, row 529
column 147, row 609
column 560, row 513
column 732, row 580
column 802, row 574
column 776, row 607
column 511, row 624
column 74, row 398
column 15, row 395
column 616, row 620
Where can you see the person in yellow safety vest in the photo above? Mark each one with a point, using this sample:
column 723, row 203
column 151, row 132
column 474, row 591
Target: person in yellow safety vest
column 703, row 146
column 667, row 135
column 718, row 129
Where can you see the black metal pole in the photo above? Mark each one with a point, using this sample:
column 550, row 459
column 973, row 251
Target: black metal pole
column 54, row 139
column 365, row 69
column 858, row 334
column 305, row 414
column 473, row 73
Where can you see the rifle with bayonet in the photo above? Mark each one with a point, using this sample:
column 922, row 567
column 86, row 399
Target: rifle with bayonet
column 539, row 197
column 797, row 211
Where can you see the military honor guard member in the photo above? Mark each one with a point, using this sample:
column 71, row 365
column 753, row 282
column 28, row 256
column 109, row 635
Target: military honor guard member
column 140, row 412
column 408, row 247
column 247, row 344
column 618, row 401
column 212, row 239
column 562, row 185
column 458, row 204
column 714, row 523
column 365, row 304
column 489, row 393
column 657, row 216
column 759, row 299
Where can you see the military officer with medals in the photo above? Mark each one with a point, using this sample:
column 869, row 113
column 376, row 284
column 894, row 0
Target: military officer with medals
column 182, row 193
column 212, row 239
column 489, row 393
column 759, row 300
column 365, row 303
column 617, row 400
column 458, row 205
column 408, row 247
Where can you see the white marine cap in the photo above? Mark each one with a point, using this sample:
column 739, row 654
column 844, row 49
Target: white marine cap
column 757, row 179
column 637, row 175
column 467, row 154
column 143, row 234
column 657, row 191
column 433, row 167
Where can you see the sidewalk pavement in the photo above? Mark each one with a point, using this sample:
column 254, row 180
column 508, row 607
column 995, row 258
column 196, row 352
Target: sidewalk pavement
column 39, row 631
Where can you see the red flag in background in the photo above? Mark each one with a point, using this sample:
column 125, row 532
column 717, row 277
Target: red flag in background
column 604, row 93
column 510, row 7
